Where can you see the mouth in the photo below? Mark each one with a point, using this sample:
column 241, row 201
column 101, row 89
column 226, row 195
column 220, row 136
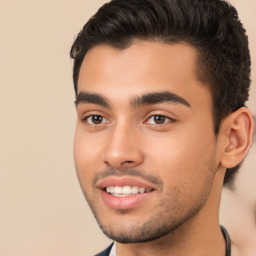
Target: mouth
column 126, row 190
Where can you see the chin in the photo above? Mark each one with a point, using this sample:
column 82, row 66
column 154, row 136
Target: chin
column 140, row 231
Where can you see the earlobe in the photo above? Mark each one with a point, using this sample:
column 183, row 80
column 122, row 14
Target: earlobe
column 238, row 130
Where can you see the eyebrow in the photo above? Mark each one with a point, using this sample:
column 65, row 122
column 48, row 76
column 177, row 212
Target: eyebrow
column 159, row 97
column 93, row 98
column 145, row 99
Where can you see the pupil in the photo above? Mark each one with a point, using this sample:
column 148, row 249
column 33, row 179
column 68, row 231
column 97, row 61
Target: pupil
column 159, row 119
column 97, row 119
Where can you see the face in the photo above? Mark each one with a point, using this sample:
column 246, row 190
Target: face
column 145, row 149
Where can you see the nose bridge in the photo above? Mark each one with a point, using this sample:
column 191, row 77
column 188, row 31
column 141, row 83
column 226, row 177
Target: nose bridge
column 122, row 148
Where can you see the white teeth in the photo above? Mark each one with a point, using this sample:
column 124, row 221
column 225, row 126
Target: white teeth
column 135, row 190
column 118, row 190
column 126, row 190
column 142, row 190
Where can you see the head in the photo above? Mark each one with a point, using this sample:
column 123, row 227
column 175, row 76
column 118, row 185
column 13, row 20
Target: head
column 149, row 53
column 212, row 27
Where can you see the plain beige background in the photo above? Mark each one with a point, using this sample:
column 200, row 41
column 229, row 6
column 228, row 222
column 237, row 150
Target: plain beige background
column 42, row 210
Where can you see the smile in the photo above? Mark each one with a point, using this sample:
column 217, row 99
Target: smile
column 126, row 190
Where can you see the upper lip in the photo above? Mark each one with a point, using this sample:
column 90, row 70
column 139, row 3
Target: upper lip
column 123, row 181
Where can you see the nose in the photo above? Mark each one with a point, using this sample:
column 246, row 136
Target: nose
column 123, row 148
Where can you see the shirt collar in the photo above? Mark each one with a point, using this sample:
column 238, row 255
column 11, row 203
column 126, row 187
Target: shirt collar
column 113, row 250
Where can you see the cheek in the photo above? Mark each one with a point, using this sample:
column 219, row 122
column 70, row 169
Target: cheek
column 183, row 156
column 87, row 146
column 85, row 157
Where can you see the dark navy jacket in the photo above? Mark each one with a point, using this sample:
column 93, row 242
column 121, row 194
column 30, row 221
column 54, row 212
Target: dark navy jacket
column 106, row 252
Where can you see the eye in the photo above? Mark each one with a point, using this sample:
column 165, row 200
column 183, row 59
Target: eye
column 158, row 119
column 95, row 119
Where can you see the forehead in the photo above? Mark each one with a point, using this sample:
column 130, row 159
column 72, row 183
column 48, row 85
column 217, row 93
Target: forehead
column 140, row 58
column 141, row 68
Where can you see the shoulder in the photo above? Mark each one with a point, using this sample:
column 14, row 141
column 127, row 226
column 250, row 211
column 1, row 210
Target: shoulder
column 106, row 252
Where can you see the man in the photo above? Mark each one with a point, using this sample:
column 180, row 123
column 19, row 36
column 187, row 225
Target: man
column 160, row 91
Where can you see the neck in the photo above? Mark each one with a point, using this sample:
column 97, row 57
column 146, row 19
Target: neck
column 198, row 236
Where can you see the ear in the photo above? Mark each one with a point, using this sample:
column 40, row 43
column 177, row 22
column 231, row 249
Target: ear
column 237, row 130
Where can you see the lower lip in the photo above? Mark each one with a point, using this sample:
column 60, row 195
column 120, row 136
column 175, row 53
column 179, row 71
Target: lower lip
column 126, row 202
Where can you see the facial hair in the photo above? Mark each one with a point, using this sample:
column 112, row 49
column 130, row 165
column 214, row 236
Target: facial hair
column 169, row 214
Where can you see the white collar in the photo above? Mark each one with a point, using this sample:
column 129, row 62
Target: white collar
column 113, row 250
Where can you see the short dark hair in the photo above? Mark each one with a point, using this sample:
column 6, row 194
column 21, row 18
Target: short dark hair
column 211, row 26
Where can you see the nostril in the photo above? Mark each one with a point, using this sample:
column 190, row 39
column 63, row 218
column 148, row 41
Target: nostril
column 127, row 163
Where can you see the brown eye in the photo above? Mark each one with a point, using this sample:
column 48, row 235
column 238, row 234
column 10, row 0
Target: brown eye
column 159, row 119
column 96, row 119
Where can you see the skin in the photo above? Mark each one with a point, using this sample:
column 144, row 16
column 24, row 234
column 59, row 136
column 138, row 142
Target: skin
column 181, row 159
